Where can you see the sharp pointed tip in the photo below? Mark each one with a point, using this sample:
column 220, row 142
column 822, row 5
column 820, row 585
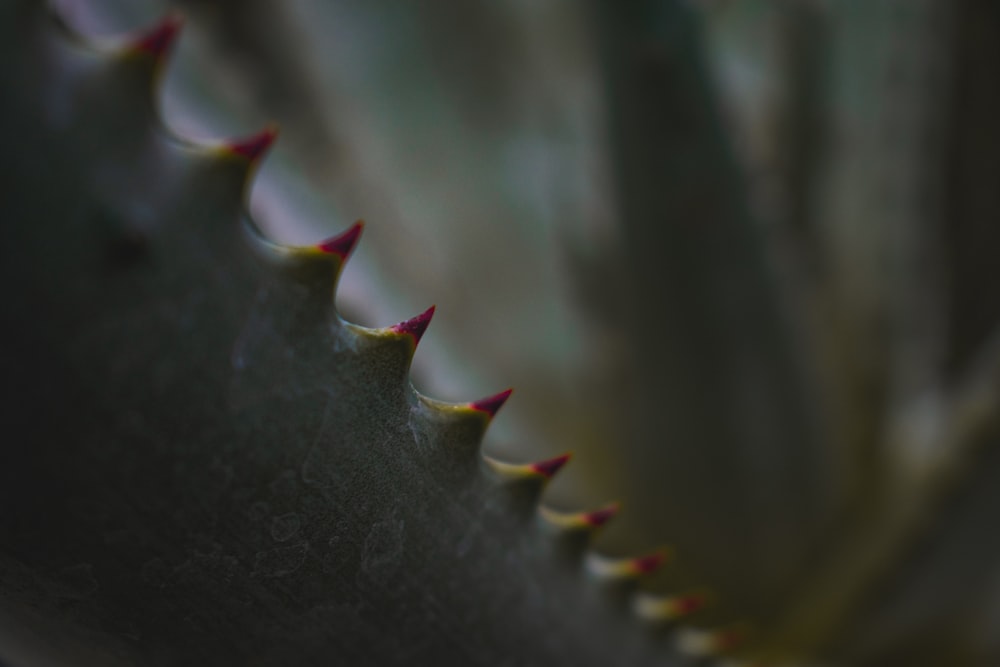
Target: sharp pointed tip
column 254, row 147
column 713, row 642
column 672, row 607
column 342, row 245
column 550, row 467
column 158, row 40
column 415, row 326
column 685, row 605
column 730, row 638
column 649, row 563
column 580, row 520
column 628, row 568
column 492, row 404
column 598, row 518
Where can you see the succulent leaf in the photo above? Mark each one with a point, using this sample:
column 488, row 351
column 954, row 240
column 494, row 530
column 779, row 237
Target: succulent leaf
column 213, row 466
column 783, row 376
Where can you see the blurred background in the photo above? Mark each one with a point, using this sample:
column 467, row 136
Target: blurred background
column 739, row 257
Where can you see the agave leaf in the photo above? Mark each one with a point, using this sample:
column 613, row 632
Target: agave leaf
column 551, row 361
column 205, row 463
column 815, row 441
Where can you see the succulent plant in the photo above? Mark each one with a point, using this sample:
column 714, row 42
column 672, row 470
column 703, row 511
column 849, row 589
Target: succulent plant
column 206, row 463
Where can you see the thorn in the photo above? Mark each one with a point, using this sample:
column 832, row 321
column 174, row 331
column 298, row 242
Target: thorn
column 627, row 568
column 712, row 642
column 158, row 40
column 729, row 638
column 492, row 404
column 415, row 326
column 580, row 520
column 342, row 245
column 649, row 563
column 598, row 518
column 541, row 469
column 688, row 604
column 550, row 467
column 659, row 608
column 253, row 148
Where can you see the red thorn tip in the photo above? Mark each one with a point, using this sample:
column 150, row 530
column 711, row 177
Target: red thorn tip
column 415, row 326
column 690, row 604
column 342, row 245
column 492, row 404
column 602, row 516
column 254, row 147
column 649, row 564
column 158, row 40
column 550, row 467
column 728, row 639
